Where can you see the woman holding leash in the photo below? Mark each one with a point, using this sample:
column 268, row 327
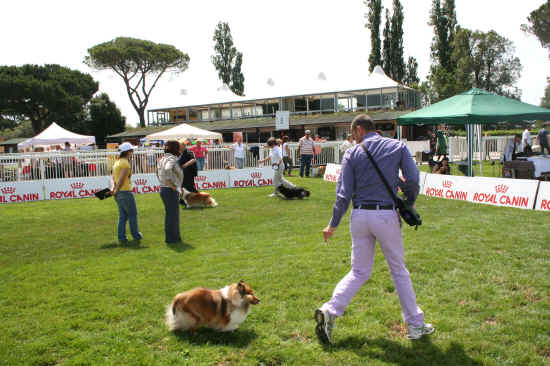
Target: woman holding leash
column 276, row 158
column 188, row 164
column 124, row 197
column 170, row 176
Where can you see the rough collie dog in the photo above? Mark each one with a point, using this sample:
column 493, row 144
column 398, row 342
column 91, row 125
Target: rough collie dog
column 296, row 192
column 222, row 309
column 198, row 199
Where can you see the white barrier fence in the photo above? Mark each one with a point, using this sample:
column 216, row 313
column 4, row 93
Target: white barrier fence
column 83, row 187
column 520, row 193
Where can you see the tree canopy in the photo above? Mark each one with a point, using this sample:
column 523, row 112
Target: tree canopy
column 139, row 63
column 539, row 24
column 545, row 101
column 44, row 94
column 374, row 20
column 104, row 118
column 227, row 60
column 397, row 69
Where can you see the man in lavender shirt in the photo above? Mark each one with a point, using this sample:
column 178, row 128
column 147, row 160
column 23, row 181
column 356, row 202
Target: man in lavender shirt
column 373, row 218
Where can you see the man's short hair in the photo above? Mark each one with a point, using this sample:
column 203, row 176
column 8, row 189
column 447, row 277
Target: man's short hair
column 364, row 121
column 271, row 141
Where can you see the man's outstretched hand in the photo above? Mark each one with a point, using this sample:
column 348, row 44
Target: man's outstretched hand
column 328, row 232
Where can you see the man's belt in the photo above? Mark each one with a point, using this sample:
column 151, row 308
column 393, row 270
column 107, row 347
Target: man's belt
column 374, row 206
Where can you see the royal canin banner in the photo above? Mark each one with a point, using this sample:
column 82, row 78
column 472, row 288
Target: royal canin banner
column 60, row 189
column 447, row 186
column 520, row 193
column 12, row 192
column 145, row 183
column 422, row 180
column 212, row 179
column 260, row 177
column 543, row 197
column 332, row 172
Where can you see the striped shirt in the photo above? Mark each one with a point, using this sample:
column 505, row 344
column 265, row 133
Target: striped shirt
column 169, row 169
column 306, row 146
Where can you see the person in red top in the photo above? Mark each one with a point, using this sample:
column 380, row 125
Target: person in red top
column 200, row 153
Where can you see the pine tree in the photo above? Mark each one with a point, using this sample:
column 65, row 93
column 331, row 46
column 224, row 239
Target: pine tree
column 386, row 45
column 396, row 43
column 374, row 19
column 411, row 75
column 237, row 77
column 227, row 60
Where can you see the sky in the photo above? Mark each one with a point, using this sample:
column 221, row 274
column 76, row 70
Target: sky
column 290, row 42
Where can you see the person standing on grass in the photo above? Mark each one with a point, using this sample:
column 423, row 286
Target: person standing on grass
column 122, row 192
column 306, row 147
column 373, row 218
column 240, row 153
column 188, row 164
column 286, row 156
column 276, row 159
column 200, row 153
column 170, row 177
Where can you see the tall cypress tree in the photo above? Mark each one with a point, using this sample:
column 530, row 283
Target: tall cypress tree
column 386, row 45
column 396, row 43
column 374, row 19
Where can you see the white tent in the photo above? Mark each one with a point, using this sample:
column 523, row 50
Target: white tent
column 184, row 130
column 56, row 134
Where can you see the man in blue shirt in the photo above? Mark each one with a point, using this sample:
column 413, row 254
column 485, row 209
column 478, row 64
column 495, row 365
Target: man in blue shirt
column 373, row 218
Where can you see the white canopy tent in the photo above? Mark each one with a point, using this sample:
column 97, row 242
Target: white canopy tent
column 56, row 134
column 184, row 130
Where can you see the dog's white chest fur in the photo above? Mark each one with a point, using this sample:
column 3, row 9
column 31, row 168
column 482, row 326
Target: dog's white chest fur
column 237, row 316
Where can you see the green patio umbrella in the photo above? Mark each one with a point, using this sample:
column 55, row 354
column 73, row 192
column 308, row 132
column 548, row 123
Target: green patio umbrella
column 476, row 106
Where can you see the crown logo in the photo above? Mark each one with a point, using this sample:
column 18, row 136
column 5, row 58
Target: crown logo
column 8, row 190
column 200, row 178
column 447, row 184
column 501, row 188
column 77, row 185
column 140, row 182
column 256, row 174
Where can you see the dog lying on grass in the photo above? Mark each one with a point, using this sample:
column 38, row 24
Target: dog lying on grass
column 224, row 309
column 296, row 192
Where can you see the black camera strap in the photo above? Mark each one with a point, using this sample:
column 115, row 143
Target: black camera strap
column 392, row 193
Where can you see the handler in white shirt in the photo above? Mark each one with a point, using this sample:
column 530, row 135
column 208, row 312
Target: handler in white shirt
column 511, row 148
column 240, row 153
column 526, row 142
column 276, row 158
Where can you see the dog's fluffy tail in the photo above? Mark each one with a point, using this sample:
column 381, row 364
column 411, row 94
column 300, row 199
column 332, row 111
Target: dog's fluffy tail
column 170, row 317
column 178, row 320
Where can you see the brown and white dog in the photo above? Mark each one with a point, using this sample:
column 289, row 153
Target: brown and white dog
column 224, row 309
column 198, row 199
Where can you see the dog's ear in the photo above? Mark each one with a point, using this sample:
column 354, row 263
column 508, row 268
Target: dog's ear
column 240, row 287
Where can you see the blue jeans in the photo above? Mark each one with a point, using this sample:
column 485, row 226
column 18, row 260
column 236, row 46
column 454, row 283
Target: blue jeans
column 127, row 211
column 239, row 162
column 170, row 198
column 305, row 162
column 200, row 163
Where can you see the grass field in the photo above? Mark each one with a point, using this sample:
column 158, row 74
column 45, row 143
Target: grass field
column 70, row 295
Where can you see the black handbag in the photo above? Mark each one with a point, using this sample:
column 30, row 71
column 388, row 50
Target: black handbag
column 405, row 209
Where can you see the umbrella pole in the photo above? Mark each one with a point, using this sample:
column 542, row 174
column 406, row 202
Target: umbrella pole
column 470, row 133
column 481, row 156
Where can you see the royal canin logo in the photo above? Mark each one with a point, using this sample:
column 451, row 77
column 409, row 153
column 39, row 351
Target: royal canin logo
column 447, row 184
column 8, row 190
column 501, row 188
column 200, row 178
column 256, row 175
column 77, row 185
column 140, row 182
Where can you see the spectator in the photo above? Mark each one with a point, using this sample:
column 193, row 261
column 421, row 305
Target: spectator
column 510, row 151
column 543, row 140
column 286, row 156
column 188, row 164
column 347, row 144
column 124, row 197
column 200, row 153
column 240, row 153
column 526, row 141
column 170, row 177
column 306, row 147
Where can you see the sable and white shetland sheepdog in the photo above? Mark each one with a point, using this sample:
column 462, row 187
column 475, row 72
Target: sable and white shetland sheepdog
column 198, row 199
column 222, row 309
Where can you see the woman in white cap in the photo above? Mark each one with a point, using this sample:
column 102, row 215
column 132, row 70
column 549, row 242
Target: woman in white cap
column 124, row 197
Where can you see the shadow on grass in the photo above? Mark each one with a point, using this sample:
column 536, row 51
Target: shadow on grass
column 420, row 352
column 238, row 338
column 179, row 246
column 132, row 244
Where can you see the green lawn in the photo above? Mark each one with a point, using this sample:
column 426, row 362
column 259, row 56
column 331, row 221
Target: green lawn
column 70, row 295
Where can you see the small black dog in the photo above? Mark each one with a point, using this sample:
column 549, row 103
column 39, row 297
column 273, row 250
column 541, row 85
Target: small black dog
column 290, row 193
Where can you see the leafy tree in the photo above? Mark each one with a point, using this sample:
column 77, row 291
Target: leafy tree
column 396, row 43
column 136, row 60
column 545, row 101
column 44, row 94
column 226, row 57
column 486, row 60
column 539, row 24
column 411, row 73
column 386, row 45
column 22, row 128
column 104, row 118
column 374, row 19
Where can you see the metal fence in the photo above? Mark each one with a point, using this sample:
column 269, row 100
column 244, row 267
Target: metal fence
column 492, row 147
